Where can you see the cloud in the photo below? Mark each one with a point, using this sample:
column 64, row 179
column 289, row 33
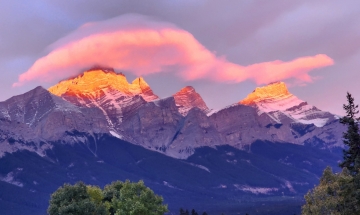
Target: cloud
column 143, row 46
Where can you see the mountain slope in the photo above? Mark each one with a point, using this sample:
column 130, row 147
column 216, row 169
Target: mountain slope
column 187, row 98
column 106, row 90
column 212, row 179
column 275, row 100
column 29, row 121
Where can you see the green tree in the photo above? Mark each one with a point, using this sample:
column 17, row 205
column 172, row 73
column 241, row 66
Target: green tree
column 96, row 194
column 351, row 137
column 111, row 194
column 137, row 199
column 335, row 195
column 119, row 198
column 74, row 200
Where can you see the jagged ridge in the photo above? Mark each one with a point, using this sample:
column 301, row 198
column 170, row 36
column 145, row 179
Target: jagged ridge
column 276, row 100
column 187, row 98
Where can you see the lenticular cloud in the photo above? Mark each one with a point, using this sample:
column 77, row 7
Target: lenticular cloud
column 142, row 45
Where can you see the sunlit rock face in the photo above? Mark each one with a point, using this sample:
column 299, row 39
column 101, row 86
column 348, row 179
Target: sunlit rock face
column 159, row 126
column 274, row 91
column 106, row 90
column 276, row 101
column 187, row 98
column 95, row 80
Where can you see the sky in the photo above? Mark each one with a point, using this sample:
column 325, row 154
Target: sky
column 224, row 49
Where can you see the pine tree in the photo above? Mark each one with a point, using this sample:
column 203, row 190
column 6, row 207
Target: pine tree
column 351, row 136
column 182, row 212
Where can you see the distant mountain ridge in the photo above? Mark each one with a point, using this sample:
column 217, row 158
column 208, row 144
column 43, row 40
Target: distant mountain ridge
column 103, row 101
column 98, row 127
column 275, row 99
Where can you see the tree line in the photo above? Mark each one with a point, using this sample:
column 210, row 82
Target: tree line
column 193, row 212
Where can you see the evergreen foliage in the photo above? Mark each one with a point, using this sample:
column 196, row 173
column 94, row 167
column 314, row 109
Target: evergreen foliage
column 186, row 212
column 339, row 194
column 351, row 136
column 193, row 212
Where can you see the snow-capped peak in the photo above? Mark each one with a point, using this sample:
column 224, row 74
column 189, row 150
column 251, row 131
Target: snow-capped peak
column 275, row 98
column 187, row 98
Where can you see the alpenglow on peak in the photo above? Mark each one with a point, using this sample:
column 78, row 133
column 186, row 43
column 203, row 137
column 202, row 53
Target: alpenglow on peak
column 276, row 90
column 187, row 98
column 95, row 80
column 276, row 100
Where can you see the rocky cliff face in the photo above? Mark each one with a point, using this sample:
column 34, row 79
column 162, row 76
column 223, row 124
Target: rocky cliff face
column 31, row 120
column 241, row 125
column 273, row 113
column 159, row 126
column 187, row 98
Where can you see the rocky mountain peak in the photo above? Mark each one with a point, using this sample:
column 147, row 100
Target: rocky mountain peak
column 276, row 100
column 139, row 86
column 187, row 89
column 187, row 98
column 273, row 91
column 95, row 80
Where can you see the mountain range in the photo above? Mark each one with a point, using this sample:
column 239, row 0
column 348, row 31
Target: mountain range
column 98, row 127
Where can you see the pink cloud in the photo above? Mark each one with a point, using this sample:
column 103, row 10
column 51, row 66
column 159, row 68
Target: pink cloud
column 144, row 46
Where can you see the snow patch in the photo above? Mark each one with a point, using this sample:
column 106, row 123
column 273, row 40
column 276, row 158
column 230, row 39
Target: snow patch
column 231, row 161
column 200, row 166
column 289, row 186
column 169, row 185
column 255, row 190
column 307, row 162
column 230, row 153
column 113, row 133
column 10, row 178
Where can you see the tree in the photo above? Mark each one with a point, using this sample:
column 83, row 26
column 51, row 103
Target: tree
column 123, row 198
column 334, row 195
column 182, row 212
column 137, row 199
column 110, row 192
column 340, row 193
column 351, row 136
column 193, row 212
column 75, row 200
